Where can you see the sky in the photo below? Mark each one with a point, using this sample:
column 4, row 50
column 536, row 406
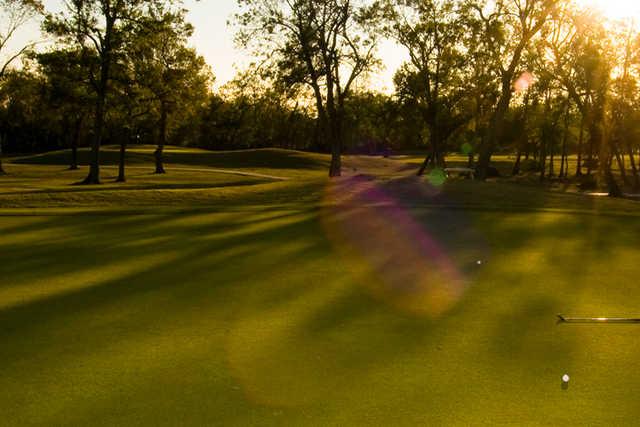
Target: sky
column 616, row 9
column 214, row 39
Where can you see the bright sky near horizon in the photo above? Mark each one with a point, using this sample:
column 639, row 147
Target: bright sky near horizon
column 214, row 39
column 616, row 9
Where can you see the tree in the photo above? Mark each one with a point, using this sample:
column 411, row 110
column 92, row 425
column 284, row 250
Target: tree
column 131, row 107
column 372, row 122
column 508, row 27
column 13, row 15
column 66, row 72
column 249, row 113
column 580, row 52
column 626, row 98
column 570, row 54
column 172, row 73
column 323, row 44
column 99, row 29
column 482, row 82
column 522, row 121
column 432, row 79
column 25, row 118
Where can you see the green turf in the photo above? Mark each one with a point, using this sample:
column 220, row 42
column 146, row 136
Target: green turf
column 136, row 307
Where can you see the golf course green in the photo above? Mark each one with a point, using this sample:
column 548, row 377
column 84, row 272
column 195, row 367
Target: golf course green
column 247, row 289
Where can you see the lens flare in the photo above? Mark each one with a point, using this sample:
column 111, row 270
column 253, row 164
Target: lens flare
column 437, row 177
column 524, row 82
column 282, row 351
column 466, row 149
column 388, row 250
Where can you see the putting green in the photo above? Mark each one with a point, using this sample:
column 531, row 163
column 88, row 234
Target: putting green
column 233, row 312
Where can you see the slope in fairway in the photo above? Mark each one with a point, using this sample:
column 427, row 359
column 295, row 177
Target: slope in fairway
column 246, row 315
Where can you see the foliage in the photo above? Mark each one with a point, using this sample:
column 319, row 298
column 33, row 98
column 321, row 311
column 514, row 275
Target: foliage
column 326, row 45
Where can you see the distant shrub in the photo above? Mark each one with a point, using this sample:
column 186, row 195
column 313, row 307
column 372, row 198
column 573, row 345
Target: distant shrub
column 530, row 165
column 593, row 163
column 588, row 182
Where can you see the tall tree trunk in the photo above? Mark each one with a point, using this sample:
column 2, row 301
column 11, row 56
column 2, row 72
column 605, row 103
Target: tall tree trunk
column 592, row 143
column 434, row 156
column 74, row 144
column 621, row 165
column 565, row 138
column 565, row 174
column 425, row 164
column 94, row 158
column 123, row 154
column 546, row 136
column 493, row 135
column 335, row 169
column 634, row 169
column 103, row 87
column 580, row 144
column 543, row 158
column 605, row 154
column 614, row 189
column 552, row 149
column 497, row 121
column 162, row 140
column 334, row 111
column 523, row 141
column 436, row 143
column 2, row 171
column 516, row 165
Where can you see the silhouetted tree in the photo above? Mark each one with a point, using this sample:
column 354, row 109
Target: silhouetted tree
column 173, row 74
column 508, row 26
column 66, row 72
column 433, row 78
column 13, row 15
column 324, row 44
column 98, row 28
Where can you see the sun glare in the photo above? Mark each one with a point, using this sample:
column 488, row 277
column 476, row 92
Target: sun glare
column 615, row 9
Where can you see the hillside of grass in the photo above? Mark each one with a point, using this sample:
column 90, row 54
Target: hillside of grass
column 251, row 160
column 194, row 178
column 208, row 297
column 200, row 178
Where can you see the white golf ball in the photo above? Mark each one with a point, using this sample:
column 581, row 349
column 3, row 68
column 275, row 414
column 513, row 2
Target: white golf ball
column 479, row 262
column 565, row 378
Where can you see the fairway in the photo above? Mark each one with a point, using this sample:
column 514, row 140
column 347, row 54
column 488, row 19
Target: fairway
column 319, row 213
column 144, row 305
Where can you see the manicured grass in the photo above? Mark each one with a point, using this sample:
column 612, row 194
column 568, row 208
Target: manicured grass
column 288, row 162
column 195, row 178
column 287, row 302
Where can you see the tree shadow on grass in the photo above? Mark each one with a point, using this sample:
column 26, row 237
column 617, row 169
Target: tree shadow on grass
column 206, row 280
column 263, row 295
column 254, row 193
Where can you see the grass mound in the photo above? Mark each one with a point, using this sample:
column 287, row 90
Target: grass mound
column 270, row 302
column 244, row 159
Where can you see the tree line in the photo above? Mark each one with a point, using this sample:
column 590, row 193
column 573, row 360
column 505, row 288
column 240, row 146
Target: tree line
column 540, row 79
